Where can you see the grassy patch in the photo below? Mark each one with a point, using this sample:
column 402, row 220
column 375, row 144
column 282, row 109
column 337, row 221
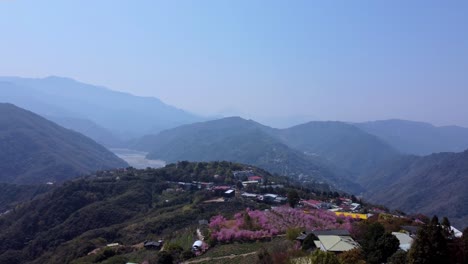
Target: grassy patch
column 243, row 248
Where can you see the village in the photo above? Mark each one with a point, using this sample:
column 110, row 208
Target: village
column 321, row 223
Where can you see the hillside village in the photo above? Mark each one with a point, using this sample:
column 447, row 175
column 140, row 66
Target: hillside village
column 327, row 223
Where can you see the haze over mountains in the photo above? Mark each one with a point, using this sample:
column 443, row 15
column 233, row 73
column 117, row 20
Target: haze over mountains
column 239, row 140
column 433, row 184
column 333, row 148
column 418, row 138
column 36, row 150
column 373, row 158
column 124, row 114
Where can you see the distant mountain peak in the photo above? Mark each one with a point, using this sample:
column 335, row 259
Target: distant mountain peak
column 121, row 113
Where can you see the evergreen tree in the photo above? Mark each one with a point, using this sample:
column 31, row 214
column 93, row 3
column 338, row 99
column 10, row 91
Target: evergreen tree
column 447, row 228
column 430, row 245
column 293, row 198
column 378, row 245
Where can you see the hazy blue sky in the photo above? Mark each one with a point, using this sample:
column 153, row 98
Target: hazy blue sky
column 340, row 60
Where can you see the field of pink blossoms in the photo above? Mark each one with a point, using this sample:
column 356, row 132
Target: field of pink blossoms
column 265, row 224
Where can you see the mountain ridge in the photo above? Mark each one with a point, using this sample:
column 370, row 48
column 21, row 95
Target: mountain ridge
column 124, row 114
column 418, row 138
column 433, row 184
column 36, row 150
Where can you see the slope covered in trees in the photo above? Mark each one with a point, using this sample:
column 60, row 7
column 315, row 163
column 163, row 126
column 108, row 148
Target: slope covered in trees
column 434, row 184
column 344, row 145
column 418, row 138
column 127, row 206
column 35, row 150
column 245, row 141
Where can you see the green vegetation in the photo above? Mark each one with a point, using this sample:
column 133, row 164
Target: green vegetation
column 430, row 245
column 245, row 141
column 399, row 185
column 125, row 206
column 35, row 150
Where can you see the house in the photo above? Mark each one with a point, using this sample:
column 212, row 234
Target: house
column 269, row 197
column 156, row 245
column 248, row 183
column 280, row 199
column 229, row 193
column 220, row 190
column 405, row 240
column 334, row 243
column 258, row 179
column 312, row 203
column 456, row 232
column 249, row 195
column 355, row 206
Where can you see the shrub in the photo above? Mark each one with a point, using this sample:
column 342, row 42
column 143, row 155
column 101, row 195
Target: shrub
column 293, row 232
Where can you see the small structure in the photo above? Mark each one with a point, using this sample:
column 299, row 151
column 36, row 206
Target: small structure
column 355, row 206
column 258, row 179
column 113, row 245
column 229, row 193
column 249, row 195
column 280, row 199
column 270, row 196
column 220, row 190
column 405, row 240
column 155, row 245
column 249, row 183
column 197, row 245
column 312, row 203
column 335, row 244
column 456, row 232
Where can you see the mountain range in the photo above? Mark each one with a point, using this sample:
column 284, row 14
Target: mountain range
column 36, row 150
column 377, row 159
column 333, row 152
column 433, row 184
column 418, row 138
column 338, row 153
column 123, row 114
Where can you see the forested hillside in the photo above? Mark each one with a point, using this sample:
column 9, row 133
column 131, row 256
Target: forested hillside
column 434, row 184
column 344, row 145
column 245, row 141
column 127, row 206
column 36, row 150
column 418, row 138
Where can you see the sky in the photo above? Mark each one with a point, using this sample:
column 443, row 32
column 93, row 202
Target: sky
column 273, row 61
